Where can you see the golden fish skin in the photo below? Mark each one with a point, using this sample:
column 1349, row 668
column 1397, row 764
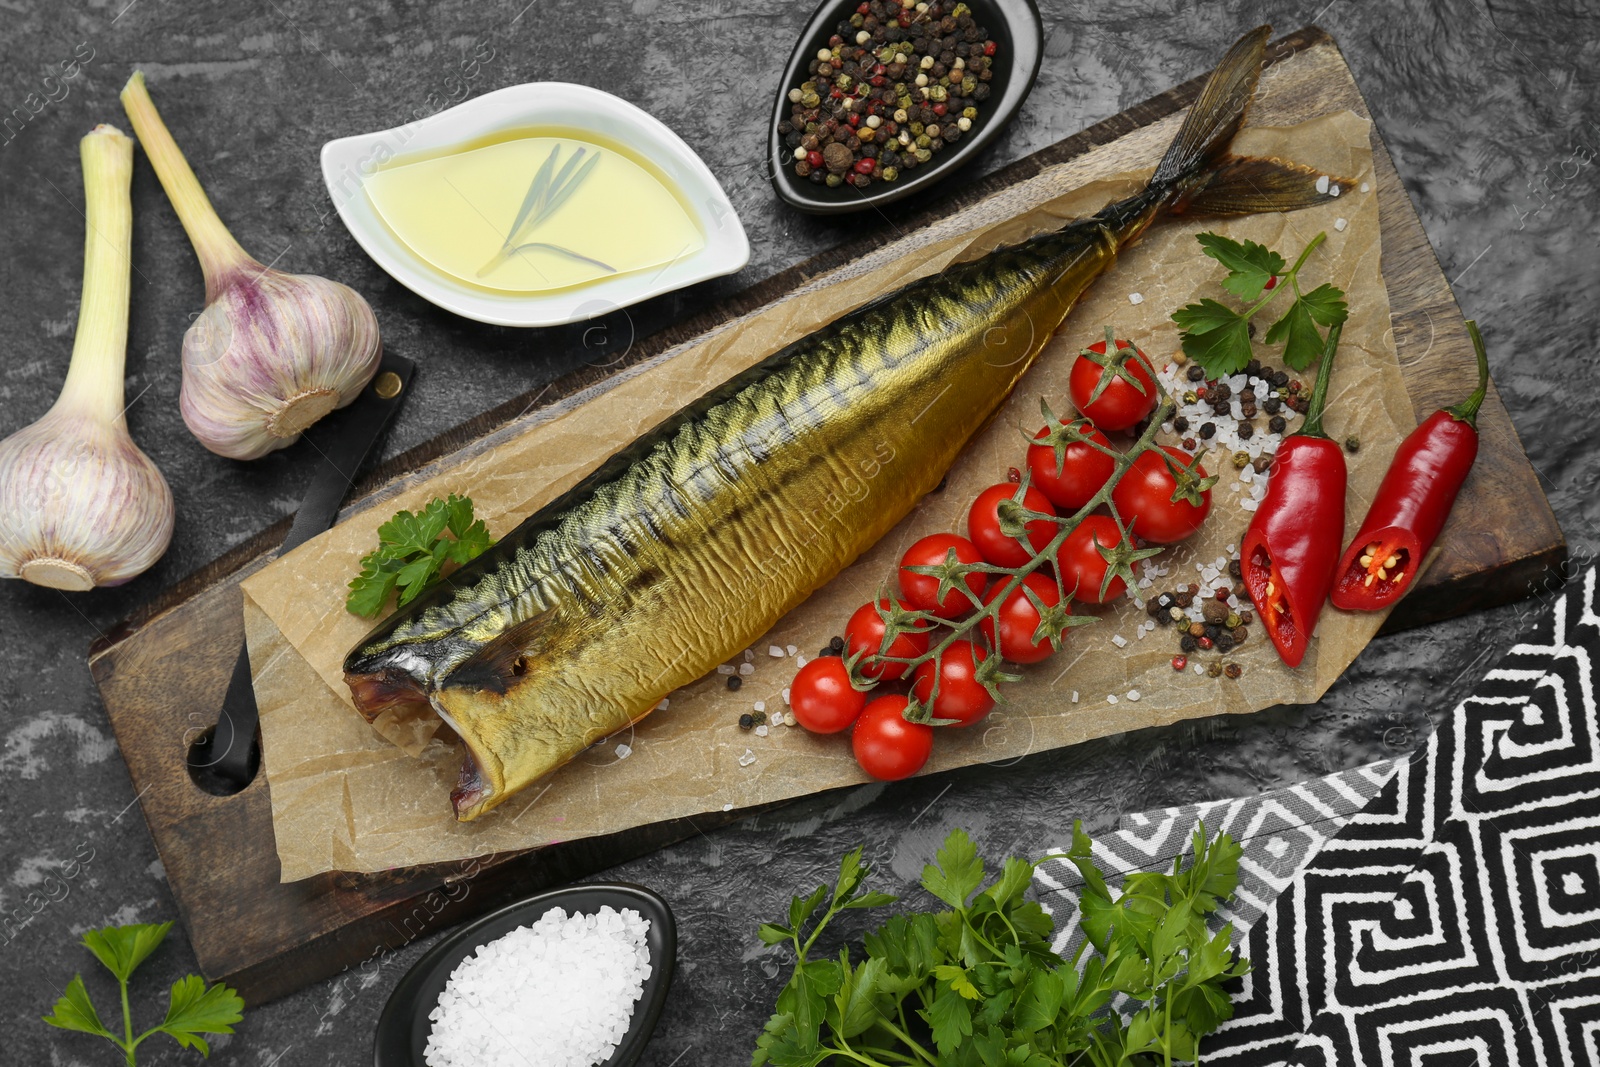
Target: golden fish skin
column 681, row 550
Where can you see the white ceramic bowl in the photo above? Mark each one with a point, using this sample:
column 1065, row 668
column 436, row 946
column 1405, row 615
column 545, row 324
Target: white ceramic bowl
column 349, row 161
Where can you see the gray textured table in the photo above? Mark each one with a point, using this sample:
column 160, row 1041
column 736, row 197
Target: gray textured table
column 1489, row 111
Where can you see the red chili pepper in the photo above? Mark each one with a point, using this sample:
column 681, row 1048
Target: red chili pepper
column 1413, row 502
column 1289, row 552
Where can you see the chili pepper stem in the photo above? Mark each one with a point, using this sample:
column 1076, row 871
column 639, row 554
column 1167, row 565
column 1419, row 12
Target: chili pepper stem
column 1319, row 392
column 1467, row 410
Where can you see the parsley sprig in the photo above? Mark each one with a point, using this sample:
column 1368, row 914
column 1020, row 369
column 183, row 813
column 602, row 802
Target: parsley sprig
column 192, row 1008
column 413, row 550
column 978, row 984
column 1218, row 337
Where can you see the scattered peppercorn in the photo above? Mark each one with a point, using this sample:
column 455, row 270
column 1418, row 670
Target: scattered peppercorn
column 734, row 682
column 1180, row 663
column 1352, row 444
column 747, row 721
column 1232, row 670
column 1196, row 373
column 1277, row 424
column 1214, row 611
column 1187, row 643
column 1197, row 630
column 1239, row 633
column 1208, row 430
column 759, row 718
column 1234, row 569
column 1246, row 618
column 1225, row 642
column 1241, row 460
column 1246, row 429
column 1215, row 670
column 1272, row 405
column 1232, row 621
column 837, row 645
column 1261, row 464
column 1204, row 642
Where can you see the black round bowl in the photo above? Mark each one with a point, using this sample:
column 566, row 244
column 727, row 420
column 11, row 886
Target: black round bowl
column 404, row 1025
column 1014, row 26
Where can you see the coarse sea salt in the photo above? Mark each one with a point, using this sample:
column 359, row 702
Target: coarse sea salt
column 1340, row 224
column 565, row 985
column 1135, row 298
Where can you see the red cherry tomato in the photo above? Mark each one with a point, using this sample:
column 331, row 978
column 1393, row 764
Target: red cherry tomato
column 865, row 633
column 1081, row 566
column 961, row 696
column 1144, row 498
column 1019, row 619
column 1074, row 480
column 822, row 698
column 1120, row 405
column 888, row 747
column 983, row 525
column 921, row 591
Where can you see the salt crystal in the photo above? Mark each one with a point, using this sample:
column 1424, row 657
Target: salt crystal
column 1333, row 190
column 747, row 669
column 1340, row 224
column 1365, row 187
column 1074, row 696
column 496, row 1003
column 761, row 731
column 725, row 668
column 792, row 649
column 1247, row 474
column 727, row 807
column 1111, row 698
column 775, row 651
column 1135, row 298
column 664, row 705
column 799, row 661
column 1249, row 505
column 1322, row 184
column 761, row 705
column 1119, row 640
column 1133, row 694
column 786, row 695
column 1199, row 669
column 749, row 655
column 624, row 751
column 1141, row 633
column 747, row 759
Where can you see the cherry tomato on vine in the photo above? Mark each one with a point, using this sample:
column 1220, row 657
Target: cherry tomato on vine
column 822, row 698
column 888, row 747
column 1019, row 619
column 921, row 591
column 999, row 548
column 961, row 696
column 1073, row 479
column 865, row 632
column 1144, row 497
column 1121, row 404
column 1083, row 568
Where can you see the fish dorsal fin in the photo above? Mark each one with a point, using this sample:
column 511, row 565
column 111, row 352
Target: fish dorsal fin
column 499, row 662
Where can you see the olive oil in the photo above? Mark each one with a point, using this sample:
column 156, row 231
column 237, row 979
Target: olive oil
column 534, row 209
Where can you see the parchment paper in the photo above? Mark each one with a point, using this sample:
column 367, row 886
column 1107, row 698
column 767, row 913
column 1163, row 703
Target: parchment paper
column 346, row 798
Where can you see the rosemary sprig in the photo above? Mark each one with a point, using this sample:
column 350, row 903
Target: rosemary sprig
column 548, row 191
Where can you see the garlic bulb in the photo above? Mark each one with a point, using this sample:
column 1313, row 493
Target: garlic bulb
column 272, row 353
column 81, row 506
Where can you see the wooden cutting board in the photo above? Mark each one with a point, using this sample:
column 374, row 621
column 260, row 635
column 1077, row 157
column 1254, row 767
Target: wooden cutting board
column 163, row 673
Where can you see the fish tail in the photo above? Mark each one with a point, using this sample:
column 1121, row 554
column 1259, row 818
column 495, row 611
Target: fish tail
column 1198, row 175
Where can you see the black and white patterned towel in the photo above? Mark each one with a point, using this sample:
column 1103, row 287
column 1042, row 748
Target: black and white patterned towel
column 1453, row 917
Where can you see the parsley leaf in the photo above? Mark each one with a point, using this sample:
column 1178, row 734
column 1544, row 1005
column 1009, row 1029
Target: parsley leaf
column 978, row 983
column 192, row 1009
column 959, row 872
column 1250, row 266
column 1217, row 337
column 413, row 551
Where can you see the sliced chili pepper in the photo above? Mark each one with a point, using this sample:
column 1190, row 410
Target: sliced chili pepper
column 1288, row 555
column 1413, row 502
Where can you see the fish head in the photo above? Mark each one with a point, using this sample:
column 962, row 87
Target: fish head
column 515, row 729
